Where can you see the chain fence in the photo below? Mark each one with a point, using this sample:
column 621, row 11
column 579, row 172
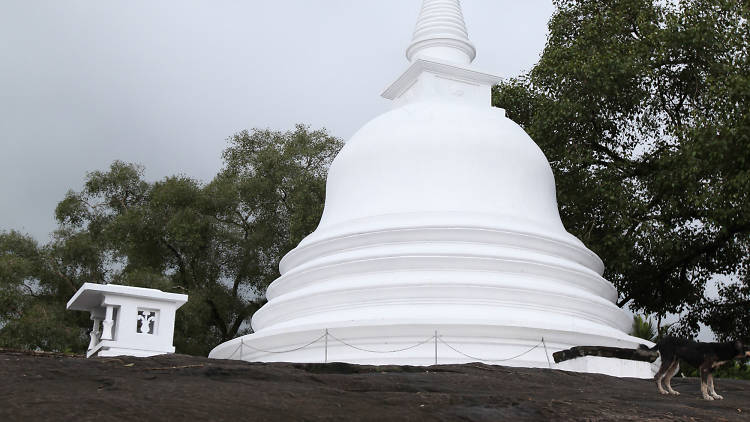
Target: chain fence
column 436, row 338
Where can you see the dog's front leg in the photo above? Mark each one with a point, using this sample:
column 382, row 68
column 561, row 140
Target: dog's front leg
column 711, row 390
column 660, row 375
column 671, row 373
column 658, row 384
column 705, row 372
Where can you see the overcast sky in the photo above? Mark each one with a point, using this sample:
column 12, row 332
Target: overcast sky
column 163, row 83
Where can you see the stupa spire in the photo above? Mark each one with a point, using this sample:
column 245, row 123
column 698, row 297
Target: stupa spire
column 441, row 33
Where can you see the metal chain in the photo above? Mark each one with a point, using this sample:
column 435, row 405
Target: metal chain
column 381, row 351
column 486, row 360
column 427, row 340
column 235, row 351
column 546, row 354
column 284, row 351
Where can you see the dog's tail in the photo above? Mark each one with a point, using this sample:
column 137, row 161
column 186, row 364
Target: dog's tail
column 644, row 347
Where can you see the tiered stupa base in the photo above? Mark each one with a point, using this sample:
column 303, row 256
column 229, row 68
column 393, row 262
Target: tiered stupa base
column 380, row 297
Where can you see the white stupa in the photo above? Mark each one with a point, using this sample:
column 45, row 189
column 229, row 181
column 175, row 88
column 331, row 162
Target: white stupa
column 440, row 218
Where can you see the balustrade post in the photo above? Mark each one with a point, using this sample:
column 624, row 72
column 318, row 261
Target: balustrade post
column 96, row 332
column 108, row 323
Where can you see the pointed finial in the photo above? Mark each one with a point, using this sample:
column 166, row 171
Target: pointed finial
column 441, row 33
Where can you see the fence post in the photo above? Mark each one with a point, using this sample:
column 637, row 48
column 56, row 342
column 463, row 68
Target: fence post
column 436, row 338
column 326, row 347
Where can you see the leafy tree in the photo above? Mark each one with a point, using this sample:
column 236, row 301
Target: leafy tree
column 729, row 314
column 220, row 243
column 35, row 284
column 643, row 109
column 272, row 192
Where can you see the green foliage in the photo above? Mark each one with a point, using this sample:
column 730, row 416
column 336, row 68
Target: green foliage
column 738, row 369
column 643, row 109
column 35, row 283
column 221, row 242
column 643, row 328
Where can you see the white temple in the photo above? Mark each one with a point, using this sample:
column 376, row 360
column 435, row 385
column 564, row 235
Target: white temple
column 441, row 239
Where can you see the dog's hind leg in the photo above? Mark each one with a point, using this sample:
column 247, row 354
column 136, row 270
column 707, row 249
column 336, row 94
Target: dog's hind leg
column 711, row 390
column 665, row 364
column 705, row 372
column 671, row 373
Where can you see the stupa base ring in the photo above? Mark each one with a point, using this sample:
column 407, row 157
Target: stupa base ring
column 426, row 345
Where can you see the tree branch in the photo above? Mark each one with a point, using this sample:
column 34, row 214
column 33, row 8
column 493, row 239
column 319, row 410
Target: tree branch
column 687, row 257
column 180, row 261
column 221, row 325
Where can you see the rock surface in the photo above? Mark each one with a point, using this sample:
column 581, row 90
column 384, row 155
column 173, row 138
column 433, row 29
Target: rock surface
column 175, row 387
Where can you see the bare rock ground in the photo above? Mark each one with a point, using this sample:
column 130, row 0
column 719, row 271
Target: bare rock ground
column 52, row 387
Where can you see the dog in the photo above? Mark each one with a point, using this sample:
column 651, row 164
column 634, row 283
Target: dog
column 704, row 356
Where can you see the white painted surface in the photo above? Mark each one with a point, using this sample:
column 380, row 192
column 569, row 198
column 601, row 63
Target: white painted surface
column 130, row 321
column 608, row 366
column 441, row 33
column 441, row 222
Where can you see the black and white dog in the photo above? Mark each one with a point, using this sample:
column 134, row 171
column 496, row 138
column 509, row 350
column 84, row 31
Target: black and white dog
column 704, row 356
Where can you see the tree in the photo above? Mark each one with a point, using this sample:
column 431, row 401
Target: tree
column 35, row 284
column 269, row 195
column 272, row 191
column 643, row 109
column 220, row 243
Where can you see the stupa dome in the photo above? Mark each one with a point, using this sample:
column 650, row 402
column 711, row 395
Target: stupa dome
column 441, row 225
column 434, row 163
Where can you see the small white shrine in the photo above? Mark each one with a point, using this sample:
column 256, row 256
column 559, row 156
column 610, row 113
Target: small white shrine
column 441, row 239
column 128, row 321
